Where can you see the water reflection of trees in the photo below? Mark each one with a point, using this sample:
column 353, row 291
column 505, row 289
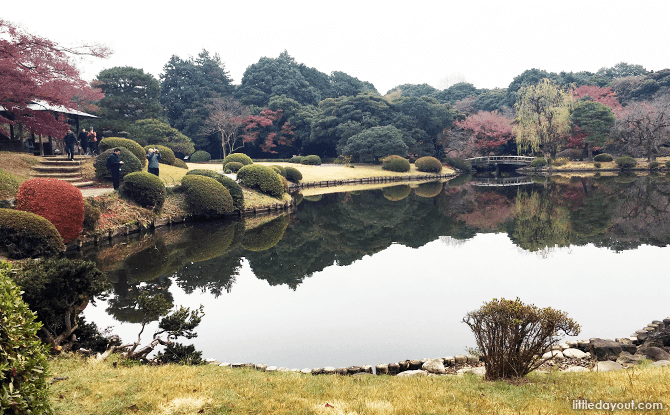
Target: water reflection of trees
column 614, row 212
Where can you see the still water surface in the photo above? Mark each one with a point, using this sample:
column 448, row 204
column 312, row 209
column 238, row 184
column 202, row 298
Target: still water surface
column 386, row 275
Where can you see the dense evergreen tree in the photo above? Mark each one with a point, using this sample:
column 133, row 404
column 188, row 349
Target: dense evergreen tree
column 130, row 95
column 186, row 86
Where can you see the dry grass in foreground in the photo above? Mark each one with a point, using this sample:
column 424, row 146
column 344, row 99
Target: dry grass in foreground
column 95, row 387
column 18, row 163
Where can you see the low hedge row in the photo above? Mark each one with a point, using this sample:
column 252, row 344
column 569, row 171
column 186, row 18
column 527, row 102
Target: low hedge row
column 206, row 197
column 263, row 178
column 233, row 188
column 110, row 143
column 27, row 235
column 58, row 201
column 395, row 163
column 145, row 189
column 238, row 157
column 311, row 160
column 428, row 164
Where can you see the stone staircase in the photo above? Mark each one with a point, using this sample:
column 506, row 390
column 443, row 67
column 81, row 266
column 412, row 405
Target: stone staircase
column 59, row 167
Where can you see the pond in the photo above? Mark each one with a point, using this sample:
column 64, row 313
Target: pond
column 384, row 275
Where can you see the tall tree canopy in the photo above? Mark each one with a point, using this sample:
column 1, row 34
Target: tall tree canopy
column 594, row 120
column 186, row 85
column 34, row 69
column 644, row 127
column 130, row 95
column 542, row 115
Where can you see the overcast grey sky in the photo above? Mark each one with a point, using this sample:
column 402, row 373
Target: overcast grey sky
column 486, row 43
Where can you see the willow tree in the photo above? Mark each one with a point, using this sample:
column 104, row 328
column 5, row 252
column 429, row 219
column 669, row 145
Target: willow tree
column 542, row 117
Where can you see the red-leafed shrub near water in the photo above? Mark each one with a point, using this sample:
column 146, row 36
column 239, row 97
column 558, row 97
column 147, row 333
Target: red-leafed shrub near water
column 55, row 200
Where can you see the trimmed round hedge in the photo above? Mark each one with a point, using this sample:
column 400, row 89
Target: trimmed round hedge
column 58, row 201
column 109, row 143
column 396, row 193
column 234, row 166
column 238, row 157
column 293, row 174
column 538, row 162
column 265, row 236
column 279, row 169
column 296, row 159
column 428, row 190
column 200, row 156
column 167, row 155
column 396, row 163
column 233, row 188
column 625, row 162
column 262, row 178
column 311, row 160
column 27, row 235
column 459, row 163
column 206, row 197
column 180, row 163
column 9, row 185
column 145, row 189
column 603, row 157
column 23, row 357
column 428, row 164
column 130, row 163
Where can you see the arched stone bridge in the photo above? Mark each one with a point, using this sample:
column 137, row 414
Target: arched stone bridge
column 488, row 162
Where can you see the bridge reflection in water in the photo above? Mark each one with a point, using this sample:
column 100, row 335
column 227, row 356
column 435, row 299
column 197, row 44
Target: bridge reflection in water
column 500, row 181
column 495, row 162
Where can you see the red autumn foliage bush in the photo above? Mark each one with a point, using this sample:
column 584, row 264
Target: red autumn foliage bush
column 55, row 200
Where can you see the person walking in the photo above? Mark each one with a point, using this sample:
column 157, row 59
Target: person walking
column 69, row 141
column 83, row 141
column 154, row 157
column 114, row 163
column 92, row 142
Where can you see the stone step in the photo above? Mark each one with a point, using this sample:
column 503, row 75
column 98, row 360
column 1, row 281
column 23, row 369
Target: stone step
column 83, row 184
column 59, row 163
column 56, row 169
column 57, row 175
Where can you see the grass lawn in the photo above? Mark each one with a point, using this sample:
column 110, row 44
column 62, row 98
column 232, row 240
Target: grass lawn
column 100, row 387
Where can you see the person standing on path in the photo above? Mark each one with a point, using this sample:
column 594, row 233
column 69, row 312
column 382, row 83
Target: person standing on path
column 92, row 141
column 153, row 156
column 69, row 141
column 114, row 163
column 83, row 141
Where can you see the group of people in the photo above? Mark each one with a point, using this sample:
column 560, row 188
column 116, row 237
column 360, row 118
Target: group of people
column 88, row 143
column 114, row 164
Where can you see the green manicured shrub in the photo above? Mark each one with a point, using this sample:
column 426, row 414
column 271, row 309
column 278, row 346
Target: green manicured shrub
column 459, row 163
column 510, row 334
column 206, row 197
column 23, row 357
column 654, row 165
column 58, row 201
column 109, row 143
column 238, row 157
column 130, row 163
column 284, row 182
column 293, row 174
column 428, row 164
column 145, row 189
column 625, row 162
column 180, row 163
column 279, row 169
column 430, row 189
column 297, row 159
column 167, row 155
column 233, row 188
column 91, row 216
column 311, row 160
column 234, row 166
column 396, row 193
column 667, row 164
column 9, row 185
column 560, row 161
column 265, row 236
column 538, row 162
column 395, row 163
column 262, row 178
column 200, row 156
column 27, row 235
column 597, row 165
column 603, row 158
